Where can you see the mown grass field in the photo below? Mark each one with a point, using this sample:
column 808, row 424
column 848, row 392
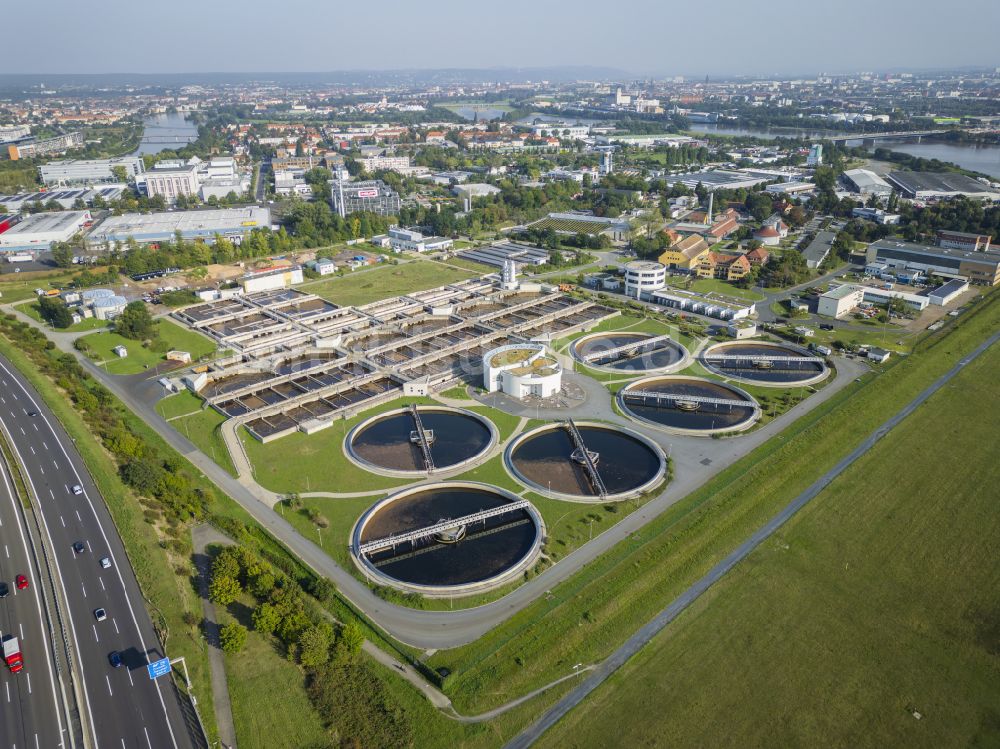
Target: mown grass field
column 586, row 617
column 178, row 404
column 202, row 428
column 364, row 286
column 877, row 601
column 139, row 358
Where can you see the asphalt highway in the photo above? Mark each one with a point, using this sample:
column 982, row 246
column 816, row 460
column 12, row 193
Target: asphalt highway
column 30, row 709
column 126, row 709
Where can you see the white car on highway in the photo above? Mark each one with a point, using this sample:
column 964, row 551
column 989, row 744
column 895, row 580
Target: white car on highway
column 77, row 489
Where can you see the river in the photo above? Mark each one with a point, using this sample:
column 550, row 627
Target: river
column 163, row 131
column 974, row 156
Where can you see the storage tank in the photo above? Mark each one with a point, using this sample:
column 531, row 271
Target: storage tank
column 108, row 307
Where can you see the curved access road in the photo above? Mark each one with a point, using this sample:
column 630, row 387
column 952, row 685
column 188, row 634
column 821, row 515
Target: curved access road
column 632, row 646
column 124, row 707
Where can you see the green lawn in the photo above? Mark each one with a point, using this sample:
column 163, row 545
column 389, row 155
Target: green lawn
column 16, row 287
column 878, row 600
column 171, row 335
column 202, row 429
column 586, row 617
column 270, row 707
column 364, row 286
column 715, row 286
column 179, row 404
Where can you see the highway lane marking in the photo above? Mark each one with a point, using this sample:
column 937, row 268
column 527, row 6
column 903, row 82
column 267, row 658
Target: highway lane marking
column 28, row 674
column 78, row 516
column 148, row 742
column 8, row 690
column 41, row 469
column 23, row 432
column 36, row 741
column 20, row 626
column 89, row 547
column 111, row 693
column 30, row 447
column 52, row 493
column 84, row 590
column 116, row 626
column 55, row 465
column 101, row 580
column 121, row 579
column 62, row 521
column 36, row 429
column 6, row 550
column 95, row 632
column 34, row 589
column 129, row 672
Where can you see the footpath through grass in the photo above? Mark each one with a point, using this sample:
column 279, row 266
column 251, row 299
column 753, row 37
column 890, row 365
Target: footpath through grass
column 364, row 286
column 870, row 619
column 585, row 618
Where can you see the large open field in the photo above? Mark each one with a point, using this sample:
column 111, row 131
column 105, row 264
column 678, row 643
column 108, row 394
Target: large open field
column 869, row 620
column 569, row 225
column 364, row 286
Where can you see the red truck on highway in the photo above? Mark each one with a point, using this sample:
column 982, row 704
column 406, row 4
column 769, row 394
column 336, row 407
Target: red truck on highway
column 12, row 655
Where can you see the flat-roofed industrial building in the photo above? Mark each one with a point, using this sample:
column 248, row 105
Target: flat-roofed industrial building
column 978, row 267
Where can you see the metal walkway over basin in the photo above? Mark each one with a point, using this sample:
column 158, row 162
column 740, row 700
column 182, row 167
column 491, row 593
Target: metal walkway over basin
column 587, row 458
column 422, row 438
column 620, row 352
column 445, row 525
column 758, row 358
column 662, row 399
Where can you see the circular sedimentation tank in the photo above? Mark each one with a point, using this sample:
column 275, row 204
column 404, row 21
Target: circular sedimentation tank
column 469, row 558
column 765, row 363
column 690, row 405
column 390, row 443
column 661, row 356
column 549, row 459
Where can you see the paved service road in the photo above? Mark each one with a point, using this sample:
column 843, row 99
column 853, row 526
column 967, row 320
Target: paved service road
column 637, row 641
column 31, row 712
column 125, row 708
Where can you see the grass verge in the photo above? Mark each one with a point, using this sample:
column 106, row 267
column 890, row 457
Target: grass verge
column 868, row 620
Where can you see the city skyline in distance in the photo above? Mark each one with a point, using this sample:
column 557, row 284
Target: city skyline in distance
column 640, row 38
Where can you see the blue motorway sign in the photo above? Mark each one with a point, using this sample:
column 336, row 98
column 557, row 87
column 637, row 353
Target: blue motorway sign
column 158, row 668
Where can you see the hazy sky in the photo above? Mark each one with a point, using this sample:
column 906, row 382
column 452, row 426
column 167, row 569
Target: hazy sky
column 641, row 36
